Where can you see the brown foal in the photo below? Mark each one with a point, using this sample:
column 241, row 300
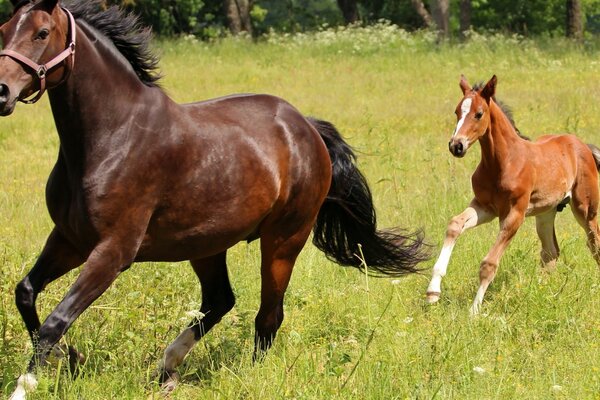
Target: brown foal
column 515, row 179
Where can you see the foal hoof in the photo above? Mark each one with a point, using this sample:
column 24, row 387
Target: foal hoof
column 433, row 297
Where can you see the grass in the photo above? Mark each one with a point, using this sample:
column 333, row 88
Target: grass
column 392, row 95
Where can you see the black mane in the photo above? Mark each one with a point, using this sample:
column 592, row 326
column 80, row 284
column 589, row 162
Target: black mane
column 126, row 33
column 505, row 109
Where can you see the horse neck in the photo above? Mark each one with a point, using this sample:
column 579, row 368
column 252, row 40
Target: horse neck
column 98, row 99
column 500, row 139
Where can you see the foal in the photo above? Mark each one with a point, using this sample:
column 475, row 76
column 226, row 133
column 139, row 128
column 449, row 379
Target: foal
column 515, row 179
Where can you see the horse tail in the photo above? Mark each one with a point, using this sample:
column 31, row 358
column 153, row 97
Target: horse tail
column 596, row 153
column 346, row 227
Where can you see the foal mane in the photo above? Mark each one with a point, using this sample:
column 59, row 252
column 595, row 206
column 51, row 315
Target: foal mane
column 126, row 33
column 505, row 109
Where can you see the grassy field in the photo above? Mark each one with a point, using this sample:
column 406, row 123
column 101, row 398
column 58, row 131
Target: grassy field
column 392, row 96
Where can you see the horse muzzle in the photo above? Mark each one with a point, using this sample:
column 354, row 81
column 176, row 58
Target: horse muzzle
column 7, row 103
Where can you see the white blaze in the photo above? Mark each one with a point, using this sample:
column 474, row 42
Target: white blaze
column 465, row 108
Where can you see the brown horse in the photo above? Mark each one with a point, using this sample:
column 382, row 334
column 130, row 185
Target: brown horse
column 517, row 178
column 141, row 178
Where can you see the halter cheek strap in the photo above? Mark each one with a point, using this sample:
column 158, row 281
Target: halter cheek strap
column 41, row 70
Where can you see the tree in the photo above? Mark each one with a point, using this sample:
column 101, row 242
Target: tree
column 465, row 16
column 238, row 15
column 349, row 10
column 440, row 10
column 574, row 23
column 439, row 18
column 423, row 13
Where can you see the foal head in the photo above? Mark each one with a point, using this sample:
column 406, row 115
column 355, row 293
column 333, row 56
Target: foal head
column 33, row 37
column 473, row 116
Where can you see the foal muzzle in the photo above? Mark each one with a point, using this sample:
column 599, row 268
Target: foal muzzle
column 458, row 148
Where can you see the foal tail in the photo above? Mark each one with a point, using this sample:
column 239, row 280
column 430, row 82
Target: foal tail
column 346, row 227
column 596, row 153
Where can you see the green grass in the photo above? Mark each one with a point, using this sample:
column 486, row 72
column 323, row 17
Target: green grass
column 392, row 96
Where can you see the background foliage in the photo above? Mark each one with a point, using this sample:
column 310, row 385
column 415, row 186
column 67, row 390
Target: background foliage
column 206, row 19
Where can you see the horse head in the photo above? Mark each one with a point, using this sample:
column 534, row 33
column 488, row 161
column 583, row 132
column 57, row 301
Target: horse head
column 36, row 41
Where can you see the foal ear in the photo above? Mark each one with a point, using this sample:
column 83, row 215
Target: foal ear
column 464, row 85
column 489, row 90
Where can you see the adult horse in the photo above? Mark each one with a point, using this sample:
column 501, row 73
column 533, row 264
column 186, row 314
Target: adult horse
column 141, row 178
column 517, row 178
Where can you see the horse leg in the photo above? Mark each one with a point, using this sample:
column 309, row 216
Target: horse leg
column 102, row 267
column 57, row 258
column 585, row 209
column 544, row 225
column 509, row 226
column 217, row 300
column 471, row 217
column 278, row 258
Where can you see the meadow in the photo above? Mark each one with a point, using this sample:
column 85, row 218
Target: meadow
column 345, row 335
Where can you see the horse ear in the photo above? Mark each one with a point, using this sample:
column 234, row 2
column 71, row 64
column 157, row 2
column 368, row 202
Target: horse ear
column 464, row 85
column 47, row 5
column 489, row 90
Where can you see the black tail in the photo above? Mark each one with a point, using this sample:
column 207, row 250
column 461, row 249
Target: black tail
column 347, row 219
column 596, row 153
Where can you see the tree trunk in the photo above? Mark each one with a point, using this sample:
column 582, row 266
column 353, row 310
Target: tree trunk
column 238, row 15
column 465, row 17
column 349, row 10
column 440, row 11
column 574, row 22
column 423, row 13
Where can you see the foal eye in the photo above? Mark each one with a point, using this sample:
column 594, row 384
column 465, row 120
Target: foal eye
column 43, row 34
column 478, row 115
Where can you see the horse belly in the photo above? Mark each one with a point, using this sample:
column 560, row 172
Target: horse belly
column 169, row 240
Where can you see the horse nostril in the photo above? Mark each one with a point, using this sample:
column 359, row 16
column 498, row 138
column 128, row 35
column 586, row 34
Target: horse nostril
column 459, row 148
column 4, row 91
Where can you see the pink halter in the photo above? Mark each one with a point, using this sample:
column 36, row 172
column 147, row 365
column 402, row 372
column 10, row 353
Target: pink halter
column 42, row 70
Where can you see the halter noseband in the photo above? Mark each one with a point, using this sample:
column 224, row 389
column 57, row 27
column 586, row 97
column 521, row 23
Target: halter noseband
column 42, row 70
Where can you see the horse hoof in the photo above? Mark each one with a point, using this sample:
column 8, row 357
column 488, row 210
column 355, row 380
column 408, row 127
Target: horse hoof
column 433, row 297
column 169, row 383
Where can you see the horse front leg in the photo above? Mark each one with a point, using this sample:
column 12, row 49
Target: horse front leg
column 57, row 258
column 471, row 217
column 509, row 226
column 106, row 261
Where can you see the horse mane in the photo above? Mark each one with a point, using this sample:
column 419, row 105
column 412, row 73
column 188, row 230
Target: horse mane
column 126, row 33
column 505, row 109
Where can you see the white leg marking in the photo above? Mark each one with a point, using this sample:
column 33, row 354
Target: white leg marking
column 177, row 350
column 26, row 383
column 465, row 108
column 476, row 307
column 439, row 271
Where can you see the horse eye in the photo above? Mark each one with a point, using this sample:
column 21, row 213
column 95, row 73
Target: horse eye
column 478, row 115
column 43, row 34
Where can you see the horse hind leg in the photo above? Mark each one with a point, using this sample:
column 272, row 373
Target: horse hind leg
column 278, row 259
column 217, row 300
column 544, row 225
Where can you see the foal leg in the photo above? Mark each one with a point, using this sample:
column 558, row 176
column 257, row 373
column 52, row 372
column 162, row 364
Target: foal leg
column 278, row 258
column 487, row 270
column 585, row 210
column 544, row 225
column 472, row 216
column 217, row 300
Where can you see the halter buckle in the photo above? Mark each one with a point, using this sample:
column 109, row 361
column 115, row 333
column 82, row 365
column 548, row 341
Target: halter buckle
column 41, row 72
